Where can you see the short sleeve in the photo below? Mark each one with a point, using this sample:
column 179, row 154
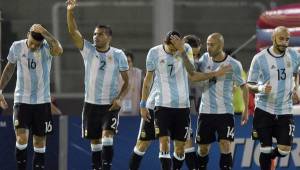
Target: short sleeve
column 12, row 54
column 150, row 60
column 254, row 71
column 123, row 64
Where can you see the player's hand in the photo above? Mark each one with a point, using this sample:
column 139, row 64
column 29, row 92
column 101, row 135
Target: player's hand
column 178, row 43
column 295, row 97
column 38, row 28
column 71, row 4
column 266, row 88
column 145, row 114
column 116, row 105
column 3, row 103
column 245, row 116
column 223, row 69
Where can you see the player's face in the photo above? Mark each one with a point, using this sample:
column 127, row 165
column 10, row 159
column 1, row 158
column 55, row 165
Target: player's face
column 281, row 41
column 33, row 44
column 100, row 37
column 213, row 47
column 196, row 53
column 171, row 49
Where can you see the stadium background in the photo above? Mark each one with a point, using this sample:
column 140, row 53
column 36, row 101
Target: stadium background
column 137, row 25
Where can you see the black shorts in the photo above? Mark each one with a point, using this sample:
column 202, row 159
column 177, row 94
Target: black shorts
column 173, row 122
column 268, row 125
column 210, row 124
column 97, row 118
column 36, row 117
column 147, row 129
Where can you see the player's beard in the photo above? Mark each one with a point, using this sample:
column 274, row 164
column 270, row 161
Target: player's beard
column 280, row 48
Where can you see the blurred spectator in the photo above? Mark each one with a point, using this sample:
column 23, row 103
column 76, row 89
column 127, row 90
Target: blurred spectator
column 130, row 103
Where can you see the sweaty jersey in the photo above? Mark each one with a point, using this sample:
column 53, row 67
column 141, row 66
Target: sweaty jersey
column 217, row 93
column 171, row 76
column 33, row 72
column 278, row 71
column 102, row 71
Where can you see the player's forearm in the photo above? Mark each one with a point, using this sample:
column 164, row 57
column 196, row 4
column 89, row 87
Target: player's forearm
column 72, row 26
column 190, row 68
column 55, row 46
column 6, row 75
column 199, row 76
column 146, row 88
column 253, row 87
column 245, row 95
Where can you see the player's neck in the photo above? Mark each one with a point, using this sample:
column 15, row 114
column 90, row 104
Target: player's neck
column 276, row 52
column 220, row 57
column 103, row 49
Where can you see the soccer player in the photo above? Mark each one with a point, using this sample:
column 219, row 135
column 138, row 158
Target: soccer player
column 216, row 110
column 103, row 65
column 171, row 62
column 147, row 129
column 32, row 108
column 271, row 79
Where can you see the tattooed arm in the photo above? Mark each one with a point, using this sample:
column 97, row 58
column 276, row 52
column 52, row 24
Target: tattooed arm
column 55, row 46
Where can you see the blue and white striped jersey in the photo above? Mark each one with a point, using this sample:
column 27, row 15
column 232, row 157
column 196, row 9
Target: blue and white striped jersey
column 217, row 93
column 171, row 77
column 33, row 72
column 102, row 73
column 278, row 71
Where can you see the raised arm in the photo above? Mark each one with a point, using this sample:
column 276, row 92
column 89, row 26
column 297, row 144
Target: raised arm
column 72, row 26
column 179, row 45
column 55, row 46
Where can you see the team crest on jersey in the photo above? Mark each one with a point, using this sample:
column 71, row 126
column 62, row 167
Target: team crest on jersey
column 16, row 122
column 24, row 55
column 109, row 57
column 162, row 61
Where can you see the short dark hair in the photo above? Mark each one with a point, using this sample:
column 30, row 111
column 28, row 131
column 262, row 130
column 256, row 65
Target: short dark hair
column 36, row 36
column 169, row 34
column 192, row 40
column 107, row 29
column 129, row 54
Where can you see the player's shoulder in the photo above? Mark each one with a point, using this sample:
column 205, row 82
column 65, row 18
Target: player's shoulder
column 233, row 60
column 156, row 48
column 292, row 51
column 261, row 54
column 19, row 43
